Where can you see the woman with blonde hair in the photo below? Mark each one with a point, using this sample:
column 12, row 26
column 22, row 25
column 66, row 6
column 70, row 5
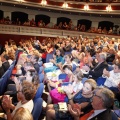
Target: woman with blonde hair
column 22, row 114
column 82, row 98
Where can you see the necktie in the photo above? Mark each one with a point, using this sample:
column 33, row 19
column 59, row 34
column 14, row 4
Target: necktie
column 86, row 116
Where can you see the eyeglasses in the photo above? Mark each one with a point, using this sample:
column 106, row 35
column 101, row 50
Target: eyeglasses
column 97, row 95
column 94, row 94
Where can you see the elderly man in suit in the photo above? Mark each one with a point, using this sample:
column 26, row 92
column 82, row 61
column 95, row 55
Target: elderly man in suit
column 101, row 102
column 97, row 71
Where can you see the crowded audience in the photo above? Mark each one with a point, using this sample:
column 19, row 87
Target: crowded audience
column 67, row 25
column 82, row 76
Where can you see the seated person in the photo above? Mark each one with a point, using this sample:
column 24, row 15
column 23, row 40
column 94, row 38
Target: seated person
column 97, row 71
column 31, row 76
column 67, row 47
column 68, row 70
column 25, row 95
column 58, row 60
column 83, row 97
column 59, row 94
column 112, row 77
column 22, row 114
column 68, row 61
column 102, row 100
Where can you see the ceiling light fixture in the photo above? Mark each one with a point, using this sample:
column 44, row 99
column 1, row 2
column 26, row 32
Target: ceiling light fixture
column 109, row 8
column 86, row 7
column 20, row 1
column 65, row 5
column 43, row 2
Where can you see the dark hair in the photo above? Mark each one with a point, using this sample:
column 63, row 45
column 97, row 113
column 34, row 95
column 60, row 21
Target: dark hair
column 61, row 52
column 70, row 56
column 5, row 56
column 82, row 48
column 28, row 89
column 35, row 77
column 68, row 67
column 110, row 58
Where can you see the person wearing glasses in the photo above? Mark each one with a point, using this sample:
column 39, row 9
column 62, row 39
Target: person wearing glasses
column 102, row 101
column 25, row 95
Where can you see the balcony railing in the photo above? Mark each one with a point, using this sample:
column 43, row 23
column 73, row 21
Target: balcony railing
column 47, row 32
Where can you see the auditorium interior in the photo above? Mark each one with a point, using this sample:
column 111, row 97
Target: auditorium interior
column 59, row 59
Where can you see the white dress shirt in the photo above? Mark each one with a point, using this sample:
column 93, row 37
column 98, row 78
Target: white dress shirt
column 113, row 80
column 96, row 112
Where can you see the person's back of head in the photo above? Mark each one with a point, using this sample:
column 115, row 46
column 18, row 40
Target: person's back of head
column 28, row 89
column 22, row 114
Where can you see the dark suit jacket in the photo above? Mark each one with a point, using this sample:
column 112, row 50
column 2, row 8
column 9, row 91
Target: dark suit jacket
column 98, row 71
column 105, row 115
column 67, row 48
column 1, row 71
column 5, row 66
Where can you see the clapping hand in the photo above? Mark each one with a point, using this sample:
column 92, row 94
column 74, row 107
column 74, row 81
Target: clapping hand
column 6, row 102
column 75, row 111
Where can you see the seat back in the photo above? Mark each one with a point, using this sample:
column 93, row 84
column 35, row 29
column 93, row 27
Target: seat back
column 41, row 77
column 62, row 76
column 40, row 63
column 73, row 67
column 3, row 82
column 49, row 56
column 37, row 108
column 110, row 68
column 39, row 91
column 41, row 69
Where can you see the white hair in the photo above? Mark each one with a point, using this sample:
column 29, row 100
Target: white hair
column 103, row 56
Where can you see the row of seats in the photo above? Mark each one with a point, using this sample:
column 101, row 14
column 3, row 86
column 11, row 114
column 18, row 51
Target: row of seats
column 11, row 88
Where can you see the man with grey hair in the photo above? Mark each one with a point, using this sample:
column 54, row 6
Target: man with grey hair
column 102, row 101
column 97, row 71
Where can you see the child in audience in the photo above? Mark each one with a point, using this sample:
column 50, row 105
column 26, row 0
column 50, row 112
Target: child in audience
column 112, row 77
column 68, row 70
column 59, row 94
